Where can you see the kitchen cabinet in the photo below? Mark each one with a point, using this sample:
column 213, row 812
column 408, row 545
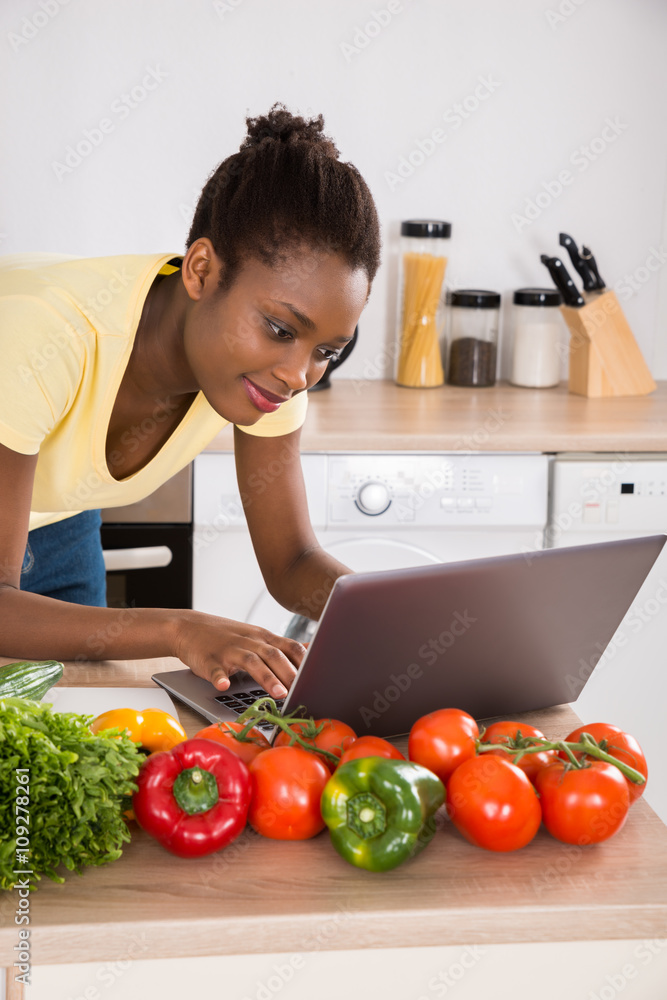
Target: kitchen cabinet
column 301, row 901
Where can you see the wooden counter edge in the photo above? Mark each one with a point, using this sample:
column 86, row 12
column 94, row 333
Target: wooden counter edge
column 172, row 938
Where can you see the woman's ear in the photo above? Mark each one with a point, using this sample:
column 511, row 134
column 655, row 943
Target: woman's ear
column 201, row 269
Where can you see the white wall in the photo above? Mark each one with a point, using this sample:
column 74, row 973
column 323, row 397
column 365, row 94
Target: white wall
column 557, row 71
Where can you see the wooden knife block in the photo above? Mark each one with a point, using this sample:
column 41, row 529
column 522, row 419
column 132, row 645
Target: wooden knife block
column 605, row 359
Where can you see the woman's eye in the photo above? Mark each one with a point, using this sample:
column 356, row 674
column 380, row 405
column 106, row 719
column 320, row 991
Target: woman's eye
column 279, row 331
column 328, row 354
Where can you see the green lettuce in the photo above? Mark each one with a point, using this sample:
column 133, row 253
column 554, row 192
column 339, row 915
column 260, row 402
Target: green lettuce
column 77, row 782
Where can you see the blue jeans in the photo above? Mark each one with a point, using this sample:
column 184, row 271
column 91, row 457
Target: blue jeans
column 64, row 560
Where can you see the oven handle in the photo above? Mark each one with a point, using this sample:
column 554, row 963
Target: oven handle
column 150, row 557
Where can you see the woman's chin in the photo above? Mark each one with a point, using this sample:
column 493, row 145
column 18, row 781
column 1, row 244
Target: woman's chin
column 235, row 413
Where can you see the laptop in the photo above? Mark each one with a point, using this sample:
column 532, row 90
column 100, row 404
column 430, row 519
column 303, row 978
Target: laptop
column 494, row 636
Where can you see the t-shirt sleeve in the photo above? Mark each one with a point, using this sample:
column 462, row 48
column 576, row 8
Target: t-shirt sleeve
column 39, row 371
column 289, row 417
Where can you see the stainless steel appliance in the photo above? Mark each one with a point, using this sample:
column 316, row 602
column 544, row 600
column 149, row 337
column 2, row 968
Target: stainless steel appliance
column 148, row 548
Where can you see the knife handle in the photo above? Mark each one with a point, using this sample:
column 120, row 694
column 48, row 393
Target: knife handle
column 571, row 295
column 563, row 281
column 580, row 265
column 592, row 265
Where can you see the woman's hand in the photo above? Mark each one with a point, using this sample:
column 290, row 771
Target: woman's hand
column 215, row 648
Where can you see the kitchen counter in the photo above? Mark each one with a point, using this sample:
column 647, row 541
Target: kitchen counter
column 264, row 896
column 357, row 415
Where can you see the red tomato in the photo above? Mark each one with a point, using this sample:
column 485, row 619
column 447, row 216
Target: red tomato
column 335, row 737
column 442, row 740
column 222, row 732
column 620, row 745
column 371, row 746
column 287, row 785
column 499, row 732
column 583, row 806
column 493, row 804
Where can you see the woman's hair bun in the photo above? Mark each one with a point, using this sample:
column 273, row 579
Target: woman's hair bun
column 280, row 125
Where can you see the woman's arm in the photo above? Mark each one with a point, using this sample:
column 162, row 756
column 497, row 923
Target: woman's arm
column 299, row 574
column 36, row 627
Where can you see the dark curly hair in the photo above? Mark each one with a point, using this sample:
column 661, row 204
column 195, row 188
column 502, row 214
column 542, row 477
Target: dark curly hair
column 285, row 188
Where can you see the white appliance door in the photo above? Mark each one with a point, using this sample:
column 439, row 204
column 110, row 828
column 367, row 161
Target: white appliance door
column 362, row 555
column 424, row 508
column 599, row 498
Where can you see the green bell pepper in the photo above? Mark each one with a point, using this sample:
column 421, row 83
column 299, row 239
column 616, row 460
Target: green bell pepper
column 381, row 812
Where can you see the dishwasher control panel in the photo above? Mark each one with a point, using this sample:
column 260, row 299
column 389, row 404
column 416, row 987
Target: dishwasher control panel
column 618, row 494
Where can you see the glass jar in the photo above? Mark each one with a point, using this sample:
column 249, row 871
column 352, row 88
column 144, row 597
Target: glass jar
column 538, row 338
column 473, row 337
column 421, row 312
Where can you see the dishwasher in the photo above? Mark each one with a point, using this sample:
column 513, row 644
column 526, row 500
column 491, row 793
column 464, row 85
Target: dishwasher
column 598, row 497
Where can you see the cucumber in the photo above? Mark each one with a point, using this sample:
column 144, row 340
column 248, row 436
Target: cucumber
column 29, row 678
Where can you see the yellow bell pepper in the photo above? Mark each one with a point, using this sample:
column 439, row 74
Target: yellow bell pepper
column 151, row 728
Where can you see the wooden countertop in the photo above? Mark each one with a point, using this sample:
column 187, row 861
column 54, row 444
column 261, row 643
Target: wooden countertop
column 356, row 415
column 264, row 896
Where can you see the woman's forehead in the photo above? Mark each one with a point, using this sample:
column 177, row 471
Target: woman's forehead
column 308, row 281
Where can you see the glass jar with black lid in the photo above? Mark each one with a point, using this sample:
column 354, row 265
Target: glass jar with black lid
column 539, row 338
column 473, row 337
column 421, row 311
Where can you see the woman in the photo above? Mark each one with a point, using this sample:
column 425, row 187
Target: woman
column 118, row 371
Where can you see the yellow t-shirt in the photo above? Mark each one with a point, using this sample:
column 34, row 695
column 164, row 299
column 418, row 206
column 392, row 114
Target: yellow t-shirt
column 67, row 326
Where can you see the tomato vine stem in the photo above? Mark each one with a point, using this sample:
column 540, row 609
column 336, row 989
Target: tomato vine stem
column 517, row 746
column 266, row 710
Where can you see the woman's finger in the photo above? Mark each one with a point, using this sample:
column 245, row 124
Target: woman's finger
column 268, row 666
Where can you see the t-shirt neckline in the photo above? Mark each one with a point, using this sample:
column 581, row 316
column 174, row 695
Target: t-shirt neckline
column 119, row 372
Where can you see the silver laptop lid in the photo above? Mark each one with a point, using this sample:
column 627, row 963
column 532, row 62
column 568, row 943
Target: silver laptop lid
column 492, row 636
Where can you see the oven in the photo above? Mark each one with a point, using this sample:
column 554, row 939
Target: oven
column 148, row 548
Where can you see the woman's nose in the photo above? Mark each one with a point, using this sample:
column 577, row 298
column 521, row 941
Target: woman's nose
column 294, row 373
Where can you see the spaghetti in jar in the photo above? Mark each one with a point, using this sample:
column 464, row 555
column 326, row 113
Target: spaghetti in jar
column 423, row 261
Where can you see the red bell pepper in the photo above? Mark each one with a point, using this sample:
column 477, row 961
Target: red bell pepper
column 194, row 798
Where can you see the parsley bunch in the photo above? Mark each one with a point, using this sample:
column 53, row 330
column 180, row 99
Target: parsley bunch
column 76, row 785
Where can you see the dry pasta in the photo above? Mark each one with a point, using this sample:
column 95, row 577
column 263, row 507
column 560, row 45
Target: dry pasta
column 419, row 360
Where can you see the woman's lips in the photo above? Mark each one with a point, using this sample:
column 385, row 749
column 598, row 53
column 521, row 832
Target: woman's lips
column 262, row 399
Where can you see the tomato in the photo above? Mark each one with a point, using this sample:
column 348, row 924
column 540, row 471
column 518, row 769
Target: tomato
column 493, row 804
column 620, row 745
column 442, row 740
column 371, row 746
column 498, row 732
column 335, row 737
column 583, row 806
column 287, row 785
column 222, row 732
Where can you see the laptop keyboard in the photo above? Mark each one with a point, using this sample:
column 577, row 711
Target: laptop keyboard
column 238, row 703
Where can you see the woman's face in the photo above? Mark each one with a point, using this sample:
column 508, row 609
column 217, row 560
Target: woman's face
column 272, row 334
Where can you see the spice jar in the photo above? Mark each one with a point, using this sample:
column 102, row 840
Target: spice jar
column 538, row 337
column 421, row 313
column 473, row 337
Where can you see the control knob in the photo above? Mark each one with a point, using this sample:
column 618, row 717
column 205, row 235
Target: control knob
column 373, row 498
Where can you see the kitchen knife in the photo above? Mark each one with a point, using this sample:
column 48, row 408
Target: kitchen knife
column 592, row 266
column 562, row 281
column 581, row 265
